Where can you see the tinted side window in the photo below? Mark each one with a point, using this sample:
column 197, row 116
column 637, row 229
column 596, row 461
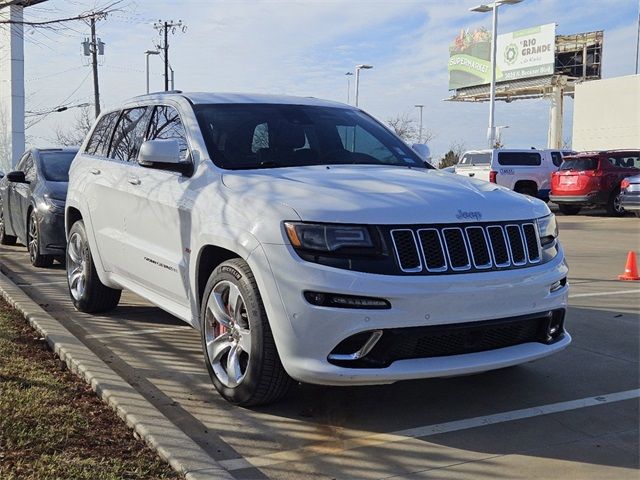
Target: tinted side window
column 99, row 142
column 475, row 159
column 625, row 162
column 128, row 134
column 166, row 125
column 519, row 158
column 556, row 157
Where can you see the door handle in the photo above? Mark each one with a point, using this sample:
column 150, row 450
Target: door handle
column 472, row 174
column 133, row 180
column 95, row 171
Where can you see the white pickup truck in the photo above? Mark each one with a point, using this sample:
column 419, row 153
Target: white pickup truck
column 523, row 171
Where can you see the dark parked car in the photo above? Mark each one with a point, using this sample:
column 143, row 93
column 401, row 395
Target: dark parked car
column 32, row 199
column 593, row 179
column 630, row 194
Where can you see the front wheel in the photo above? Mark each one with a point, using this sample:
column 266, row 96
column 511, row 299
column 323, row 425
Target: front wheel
column 614, row 207
column 88, row 293
column 33, row 243
column 238, row 345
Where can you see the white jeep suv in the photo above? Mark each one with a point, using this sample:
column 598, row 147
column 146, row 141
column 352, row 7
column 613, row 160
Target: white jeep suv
column 308, row 243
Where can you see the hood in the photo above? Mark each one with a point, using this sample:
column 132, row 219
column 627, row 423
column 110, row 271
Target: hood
column 383, row 195
column 56, row 190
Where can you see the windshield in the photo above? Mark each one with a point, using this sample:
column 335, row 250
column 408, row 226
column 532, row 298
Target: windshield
column 476, row 159
column 579, row 164
column 55, row 165
column 248, row 136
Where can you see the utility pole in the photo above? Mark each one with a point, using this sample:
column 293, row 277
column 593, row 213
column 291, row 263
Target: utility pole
column 420, row 134
column 163, row 30
column 92, row 47
column 94, row 65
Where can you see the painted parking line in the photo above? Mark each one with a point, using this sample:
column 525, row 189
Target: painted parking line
column 129, row 333
column 599, row 294
column 365, row 440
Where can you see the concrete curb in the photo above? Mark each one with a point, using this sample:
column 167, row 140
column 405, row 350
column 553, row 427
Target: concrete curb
column 171, row 443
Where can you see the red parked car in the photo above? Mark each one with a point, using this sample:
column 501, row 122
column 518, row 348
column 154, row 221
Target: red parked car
column 593, row 179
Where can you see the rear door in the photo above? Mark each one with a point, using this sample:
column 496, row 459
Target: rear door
column 10, row 201
column 475, row 165
column 513, row 166
column 622, row 165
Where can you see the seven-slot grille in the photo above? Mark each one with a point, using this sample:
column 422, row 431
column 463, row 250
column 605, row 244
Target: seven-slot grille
column 466, row 248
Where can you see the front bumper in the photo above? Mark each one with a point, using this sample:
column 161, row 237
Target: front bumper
column 305, row 334
column 52, row 234
column 593, row 198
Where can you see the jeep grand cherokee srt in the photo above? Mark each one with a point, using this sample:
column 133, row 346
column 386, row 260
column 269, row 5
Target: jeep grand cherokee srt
column 307, row 242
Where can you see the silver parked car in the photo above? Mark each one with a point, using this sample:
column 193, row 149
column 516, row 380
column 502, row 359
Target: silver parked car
column 630, row 194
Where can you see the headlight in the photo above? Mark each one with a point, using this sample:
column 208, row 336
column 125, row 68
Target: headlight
column 548, row 230
column 330, row 238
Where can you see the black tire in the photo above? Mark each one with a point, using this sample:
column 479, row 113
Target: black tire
column 94, row 296
column 569, row 209
column 614, row 209
column 4, row 238
column 264, row 379
column 33, row 243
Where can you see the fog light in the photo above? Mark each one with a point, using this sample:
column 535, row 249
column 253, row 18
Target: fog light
column 337, row 300
column 555, row 286
column 555, row 327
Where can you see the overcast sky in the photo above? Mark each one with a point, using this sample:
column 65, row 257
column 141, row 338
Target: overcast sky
column 304, row 48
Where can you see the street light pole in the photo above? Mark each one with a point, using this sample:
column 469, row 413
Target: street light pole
column 147, row 53
column 493, row 8
column 420, row 131
column 348, row 75
column 358, row 68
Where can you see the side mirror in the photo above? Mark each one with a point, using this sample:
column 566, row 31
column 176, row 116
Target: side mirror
column 16, row 177
column 163, row 155
column 422, row 150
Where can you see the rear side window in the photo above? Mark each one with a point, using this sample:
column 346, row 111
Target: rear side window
column 475, row 159
column 99, row 142
column 627, row 161
column 128, row 134
column 579, row 164
column 166, row 125
column 532, row 159
column 556, row 158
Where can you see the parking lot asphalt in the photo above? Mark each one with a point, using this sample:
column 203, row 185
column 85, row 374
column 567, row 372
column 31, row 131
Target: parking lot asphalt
column 571, row 415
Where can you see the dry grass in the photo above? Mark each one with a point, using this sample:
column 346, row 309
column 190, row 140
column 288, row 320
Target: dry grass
column 52, row 426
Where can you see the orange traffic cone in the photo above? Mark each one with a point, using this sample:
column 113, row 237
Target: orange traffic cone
column 631, row 268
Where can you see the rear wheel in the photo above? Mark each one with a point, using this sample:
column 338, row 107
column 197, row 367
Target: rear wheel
column 569, row 209
column 88, row 293
column 614, row 208
column 238, row 345
column 4, row 238
column 33, row 243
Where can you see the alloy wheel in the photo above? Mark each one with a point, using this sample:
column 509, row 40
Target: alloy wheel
column 76, row 266
column 617, row 205
column 32, row 240
column 227, row 333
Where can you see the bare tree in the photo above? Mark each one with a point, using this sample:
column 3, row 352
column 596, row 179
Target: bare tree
column 75, row 135
column 407, row 129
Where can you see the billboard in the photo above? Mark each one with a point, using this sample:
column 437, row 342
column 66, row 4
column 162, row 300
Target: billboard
column 521, row 54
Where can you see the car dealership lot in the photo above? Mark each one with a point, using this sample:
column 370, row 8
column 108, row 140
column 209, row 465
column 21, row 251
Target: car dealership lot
column 571, row 415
